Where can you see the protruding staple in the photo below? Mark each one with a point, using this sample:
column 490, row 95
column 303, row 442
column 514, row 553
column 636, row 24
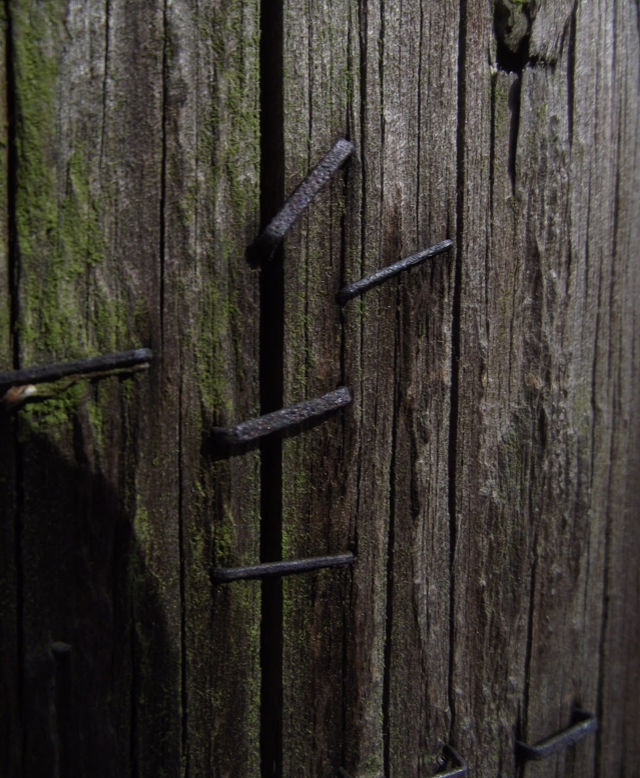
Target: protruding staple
column 265, row 244
column 37, row 375
column 460, row 766
column 377, row 277
column 291, row 567
column 583, row 724
column 297, row 416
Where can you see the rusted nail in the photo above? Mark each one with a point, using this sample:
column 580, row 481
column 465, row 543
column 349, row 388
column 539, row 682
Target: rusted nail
column 292, row 418
column 290, row 567
column 379, row 276
column 265, row 244
column 104, row 363
column 583, row 724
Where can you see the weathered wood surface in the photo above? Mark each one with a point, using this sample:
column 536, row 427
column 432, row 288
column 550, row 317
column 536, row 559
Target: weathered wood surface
column 315, row 514
column 132, row 192
column 485, row 473
column 377, row 480
column 548, row 291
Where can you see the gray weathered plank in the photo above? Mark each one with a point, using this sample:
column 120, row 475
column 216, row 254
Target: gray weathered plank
column 420, row 77
column 493, row 449
column 485, row 474
column 542, row 461
column 606, row 122
column 314, row 471
column 386, row 334
column 99, row 548
column 212, row 318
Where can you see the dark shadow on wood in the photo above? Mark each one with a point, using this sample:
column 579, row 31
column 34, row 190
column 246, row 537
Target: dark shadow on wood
column 84, row 646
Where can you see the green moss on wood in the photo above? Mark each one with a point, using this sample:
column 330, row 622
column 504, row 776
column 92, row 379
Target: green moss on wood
column 54, row 415
column 60, row 237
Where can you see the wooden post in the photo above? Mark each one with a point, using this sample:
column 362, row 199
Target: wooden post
column 484, row 476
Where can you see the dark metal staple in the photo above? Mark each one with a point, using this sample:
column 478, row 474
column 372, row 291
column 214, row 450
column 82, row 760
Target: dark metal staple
column 457, row 772
column 103, row 363
column 290, row 567
column 460, row 768
column 379, row 276
column 286, row 418
column 584, row 723
column 265, row 244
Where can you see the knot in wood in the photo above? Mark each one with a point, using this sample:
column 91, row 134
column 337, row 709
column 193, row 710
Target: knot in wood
column 513, row 20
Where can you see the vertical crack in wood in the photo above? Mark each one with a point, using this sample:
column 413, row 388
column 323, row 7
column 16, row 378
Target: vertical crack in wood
column 135, row 698
column 180, row 517
column 455, row 353
column 523, row 719
column 183, row 597
column 271, row 384
column 105, row 76
column 388, row 654
column 362, row 70
column 602, row 651
column 418, row 235
column 514, row 130
column 571, row 71
column 609, row 566
column 163, row 165
column 13, row 286
column 12, row 186
column 492, row 144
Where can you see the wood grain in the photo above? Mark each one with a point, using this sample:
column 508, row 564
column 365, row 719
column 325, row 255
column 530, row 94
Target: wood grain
column 420, row 90
column 98, row 549
column 124, row 175
column 212, row 318
column 314, row 517
column 485, row 475
column 537, row 449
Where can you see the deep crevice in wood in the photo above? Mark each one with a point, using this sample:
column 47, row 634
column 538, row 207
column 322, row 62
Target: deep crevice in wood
column 571, row 71
column 163, row 168
column 514, row 130
column 524, row 717
column 388, row 654
column 512, row 50
column 271, row 384
column 14, row 316
column 455, row 353
column 135, row 696
column 607, row 567
column 12, row 186
column 492, row 142
column 105, row 77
